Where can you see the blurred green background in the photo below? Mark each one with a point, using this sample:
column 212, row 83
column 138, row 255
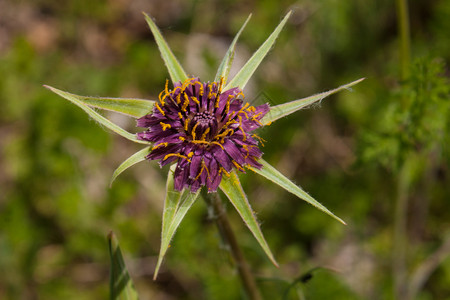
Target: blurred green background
column 378, row 157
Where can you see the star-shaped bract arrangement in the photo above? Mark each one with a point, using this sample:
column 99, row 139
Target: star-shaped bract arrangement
column 207, row 129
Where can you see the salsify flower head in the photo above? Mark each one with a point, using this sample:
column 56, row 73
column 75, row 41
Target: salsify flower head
column 206, row 130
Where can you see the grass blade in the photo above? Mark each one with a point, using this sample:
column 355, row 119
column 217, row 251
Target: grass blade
column 275, row 176
column 232, row 188
column 242, row 77
column 120, row 284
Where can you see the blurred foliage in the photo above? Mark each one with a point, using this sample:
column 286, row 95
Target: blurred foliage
column 56, row 207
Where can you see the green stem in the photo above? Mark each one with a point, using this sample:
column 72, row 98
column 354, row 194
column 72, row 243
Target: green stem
column 223, row 223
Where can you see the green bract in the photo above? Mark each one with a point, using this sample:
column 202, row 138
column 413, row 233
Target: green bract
column 178, row 203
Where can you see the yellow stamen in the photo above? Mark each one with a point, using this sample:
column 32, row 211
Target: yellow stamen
column 204, row 134
column 161, row 97
column 160, row 145
column 165, row 126
column 224, row 134
column 261, row 140
column 201, row 170
column 221, row 83
column 220, row 145
column 227, row 107
column 200, row 142
column 160, row 110
column 180, row 116
column 221, row 169
column 186, row 103
column 195, row 100
column 242, row 129
column 177, row 155
column 238, row 166
column 246, row 149
column 193, row 131
column 210, row 91
column 166, row 88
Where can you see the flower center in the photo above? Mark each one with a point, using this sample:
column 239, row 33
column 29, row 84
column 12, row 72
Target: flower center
column 203, row 126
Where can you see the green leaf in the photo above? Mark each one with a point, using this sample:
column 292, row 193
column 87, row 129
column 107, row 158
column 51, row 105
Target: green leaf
column 176, row 206
column 225, row 65
column 242, row 77
column 176, row 71
column 129, row 106
column 96, row 116
column 232, row 188
column 282, row 110
column 129, row 162
column 120, row 284
column 275, row 176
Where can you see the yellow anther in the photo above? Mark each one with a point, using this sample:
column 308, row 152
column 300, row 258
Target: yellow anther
column 161, row 97
column 221, row 169
column 220, row 145
column 204, row 134
column 160, row 145
column 221, row 83
column 216, row 105
column 256, row 116
column 231, row 121
column 246, row 149
column 242, row 129
column 181, row 138
column 185, row 103
column 224, row 134
column 240, row 94
column 201, row 170
column 160, row 110
column 200, row 142
column 190, row 154
column 186, row 123
column 238, row 166
column 251, row 109
column 193, row 131
column 166, row 88
column 200, row 92
column 195, row 100
column 227, row 107
column 210, row 91
column 165, row 126
column 177, row 155
column 180, row 116
column 178, row 98
column 260, row 139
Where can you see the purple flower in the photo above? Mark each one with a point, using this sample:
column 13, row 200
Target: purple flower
column 205, row 130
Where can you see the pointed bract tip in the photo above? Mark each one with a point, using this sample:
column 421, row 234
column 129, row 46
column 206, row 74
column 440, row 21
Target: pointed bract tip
column 110, row 235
